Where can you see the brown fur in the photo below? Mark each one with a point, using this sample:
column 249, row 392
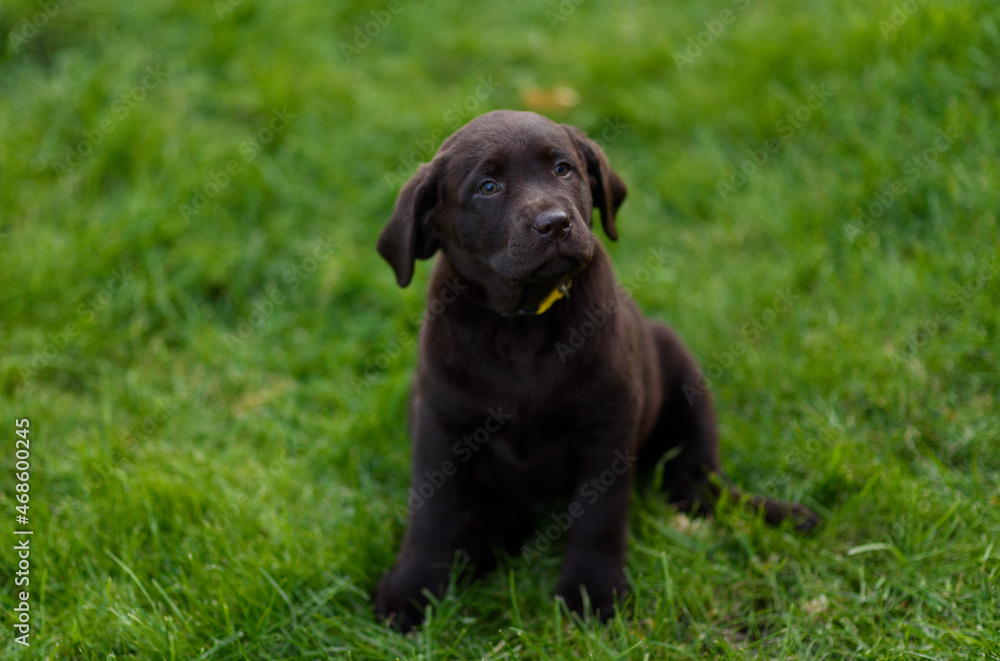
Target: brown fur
column 560, row 419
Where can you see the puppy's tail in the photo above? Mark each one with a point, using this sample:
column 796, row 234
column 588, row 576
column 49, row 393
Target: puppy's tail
column 701, row 496
column 775, row 511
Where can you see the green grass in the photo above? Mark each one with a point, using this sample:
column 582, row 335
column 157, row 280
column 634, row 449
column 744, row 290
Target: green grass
column 216, row 468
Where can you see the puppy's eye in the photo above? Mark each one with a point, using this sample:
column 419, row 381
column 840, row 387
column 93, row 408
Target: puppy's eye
column 489, row 188
column 563, row 169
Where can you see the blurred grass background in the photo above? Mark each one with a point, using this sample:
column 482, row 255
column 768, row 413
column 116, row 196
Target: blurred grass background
column 209, row 361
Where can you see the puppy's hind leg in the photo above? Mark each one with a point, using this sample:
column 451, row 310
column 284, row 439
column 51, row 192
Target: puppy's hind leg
column 684, row 439
column 686, row 433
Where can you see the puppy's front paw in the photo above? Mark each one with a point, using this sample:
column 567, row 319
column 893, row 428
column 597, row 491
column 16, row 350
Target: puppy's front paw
column 400, row 597
column 604, row 590
column 398, row 602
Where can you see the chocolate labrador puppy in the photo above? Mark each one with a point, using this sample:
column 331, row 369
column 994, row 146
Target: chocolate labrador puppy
column 507, row 412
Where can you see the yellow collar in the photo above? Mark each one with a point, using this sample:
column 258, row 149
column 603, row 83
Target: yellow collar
column 562, row 291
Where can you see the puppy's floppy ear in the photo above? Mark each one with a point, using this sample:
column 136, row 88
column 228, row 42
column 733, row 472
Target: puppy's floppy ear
column 606, row 187
column 407, row 237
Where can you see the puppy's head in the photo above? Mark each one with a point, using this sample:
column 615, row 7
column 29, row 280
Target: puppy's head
column 508, row 199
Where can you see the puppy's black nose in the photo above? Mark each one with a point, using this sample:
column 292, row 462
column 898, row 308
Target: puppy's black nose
column 554, row 223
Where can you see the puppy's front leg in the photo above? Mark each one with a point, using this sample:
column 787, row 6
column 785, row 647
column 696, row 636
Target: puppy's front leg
column 429, row 545
column 595, row 553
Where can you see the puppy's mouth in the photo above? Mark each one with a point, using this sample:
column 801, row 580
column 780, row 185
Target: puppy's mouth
column 558, row 267
column 556, row 262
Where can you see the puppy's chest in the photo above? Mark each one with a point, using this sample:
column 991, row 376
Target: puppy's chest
column 512, row 361
column 537, row 458
column 535, row 446
column 547, row 408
